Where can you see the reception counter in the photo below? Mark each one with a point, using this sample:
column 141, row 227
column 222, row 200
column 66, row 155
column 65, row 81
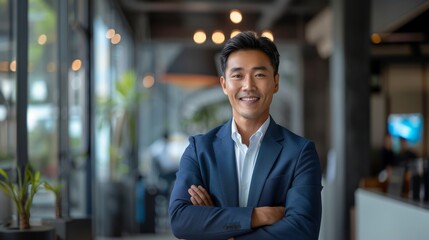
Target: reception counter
column 381, row 216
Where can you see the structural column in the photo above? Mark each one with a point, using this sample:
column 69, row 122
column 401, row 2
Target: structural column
column 348, row 160
column 22, row 83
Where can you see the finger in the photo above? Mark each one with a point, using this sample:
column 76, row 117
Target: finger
column 209, row 198
column 202, row 194
column 198, row 195
column 195, row 198
column 194, row 202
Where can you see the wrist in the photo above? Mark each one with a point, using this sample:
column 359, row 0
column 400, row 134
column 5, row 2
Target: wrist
column 257, row 218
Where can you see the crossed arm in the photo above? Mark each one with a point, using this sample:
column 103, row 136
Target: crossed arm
column 261, row 216
column 194, row 212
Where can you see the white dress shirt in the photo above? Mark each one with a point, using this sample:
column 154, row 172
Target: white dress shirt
column 246, row 158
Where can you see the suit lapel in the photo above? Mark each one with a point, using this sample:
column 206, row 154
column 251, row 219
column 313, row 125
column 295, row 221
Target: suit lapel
column 226, row 169
column 270, row 149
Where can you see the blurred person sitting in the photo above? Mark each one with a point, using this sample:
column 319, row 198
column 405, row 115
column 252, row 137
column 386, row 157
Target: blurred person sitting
column 395, row 175
column 404, row 158
column 406, row 154
column 388, row 158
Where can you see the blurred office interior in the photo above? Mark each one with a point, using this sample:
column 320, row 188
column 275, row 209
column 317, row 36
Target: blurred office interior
column 88, row 86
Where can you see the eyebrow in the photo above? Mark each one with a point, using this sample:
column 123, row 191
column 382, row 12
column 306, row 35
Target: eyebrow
column 234, row 69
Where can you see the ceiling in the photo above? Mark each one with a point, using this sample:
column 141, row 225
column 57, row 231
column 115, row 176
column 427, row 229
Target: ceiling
column 169, row 20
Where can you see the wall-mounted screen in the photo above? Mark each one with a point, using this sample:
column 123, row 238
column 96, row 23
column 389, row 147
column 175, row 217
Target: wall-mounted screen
column 408, row 126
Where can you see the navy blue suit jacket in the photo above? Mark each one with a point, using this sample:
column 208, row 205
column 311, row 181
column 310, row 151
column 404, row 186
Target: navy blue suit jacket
column 287, row 173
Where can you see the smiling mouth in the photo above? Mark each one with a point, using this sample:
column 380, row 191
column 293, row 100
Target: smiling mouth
column 249, row 99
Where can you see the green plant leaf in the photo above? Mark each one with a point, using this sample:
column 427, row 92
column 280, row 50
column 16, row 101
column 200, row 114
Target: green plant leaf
column 56, row 189
column 36, row 177
column 4, row 174
column 126, row 84
column 6, row 188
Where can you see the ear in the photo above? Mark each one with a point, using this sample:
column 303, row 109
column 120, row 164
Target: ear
column 223, row 84
column 276, row 82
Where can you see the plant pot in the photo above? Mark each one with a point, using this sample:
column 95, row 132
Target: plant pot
column 5, row 208
column 110, row 204
column 70, row 229
column 45, row 232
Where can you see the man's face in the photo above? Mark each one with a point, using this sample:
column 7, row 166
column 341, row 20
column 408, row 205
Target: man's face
column 250, row 84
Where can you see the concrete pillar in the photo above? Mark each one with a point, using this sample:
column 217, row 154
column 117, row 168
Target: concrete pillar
column 348, row 160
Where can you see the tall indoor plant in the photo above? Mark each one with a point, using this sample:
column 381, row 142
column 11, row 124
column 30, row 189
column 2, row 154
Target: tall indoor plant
column 56, row 190
column 120, row 111
column 67, row 228
column 21, row 191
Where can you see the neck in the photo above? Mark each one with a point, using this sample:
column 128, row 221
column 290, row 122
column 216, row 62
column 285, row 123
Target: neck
column 247, row 127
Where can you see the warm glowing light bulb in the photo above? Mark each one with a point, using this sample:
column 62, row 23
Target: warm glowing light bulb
column 235, row 16
column 76, row 65
column 200, row 37
column 234, row 33
column 116, row 39
column 110, row 33
column 268, row 35
column 12, row 66
column 42, row 39
column 375, row 38
column 148, row 81
column 218, row 37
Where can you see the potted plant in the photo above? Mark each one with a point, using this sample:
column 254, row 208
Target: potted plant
column 120, row 111
column 67, row 228
column 22, row 191
column 56, row 190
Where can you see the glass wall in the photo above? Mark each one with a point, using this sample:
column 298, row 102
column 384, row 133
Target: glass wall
column 7, row 83
column 76, row 103
column 7, row 96
column 43, row 66
column 57, row 99
column 116, row 99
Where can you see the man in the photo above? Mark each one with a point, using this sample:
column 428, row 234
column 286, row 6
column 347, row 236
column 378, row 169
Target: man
column 249, row 178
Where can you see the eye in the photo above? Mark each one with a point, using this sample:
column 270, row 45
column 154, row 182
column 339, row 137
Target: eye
column 260, row 75
column 236, row 76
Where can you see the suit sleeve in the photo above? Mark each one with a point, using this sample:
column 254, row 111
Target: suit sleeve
column 303, row 203
column 201, row 222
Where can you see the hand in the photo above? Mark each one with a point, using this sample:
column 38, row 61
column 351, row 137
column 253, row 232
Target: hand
column 266, row 216
column 200, row 196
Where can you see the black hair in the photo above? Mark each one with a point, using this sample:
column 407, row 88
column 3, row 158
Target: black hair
column 249, row 40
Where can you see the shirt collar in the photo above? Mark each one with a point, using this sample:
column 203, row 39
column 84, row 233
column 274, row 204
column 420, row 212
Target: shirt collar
column 235, row 135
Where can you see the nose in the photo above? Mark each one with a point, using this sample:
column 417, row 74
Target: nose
column 248, row 82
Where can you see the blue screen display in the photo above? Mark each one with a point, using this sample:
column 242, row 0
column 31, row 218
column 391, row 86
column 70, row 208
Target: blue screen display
column 408, row 126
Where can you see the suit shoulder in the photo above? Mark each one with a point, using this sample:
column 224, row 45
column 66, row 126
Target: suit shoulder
column 208, row 136
column 294, row 138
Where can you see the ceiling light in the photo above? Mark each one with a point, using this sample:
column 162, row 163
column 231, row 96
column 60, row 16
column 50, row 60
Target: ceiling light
column 218, row 37
column 375, row 38
column 12, row 66
column 200, row 37
column 110, row 33
column 148, row 81
column 76, row 65
column 234, row 33
column 42, row 39
column 235, row 16
column 269, row 35
column 193, row 67
column 116, row 39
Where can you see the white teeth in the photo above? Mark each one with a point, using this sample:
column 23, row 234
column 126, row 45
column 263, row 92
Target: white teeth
column 249, row 99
